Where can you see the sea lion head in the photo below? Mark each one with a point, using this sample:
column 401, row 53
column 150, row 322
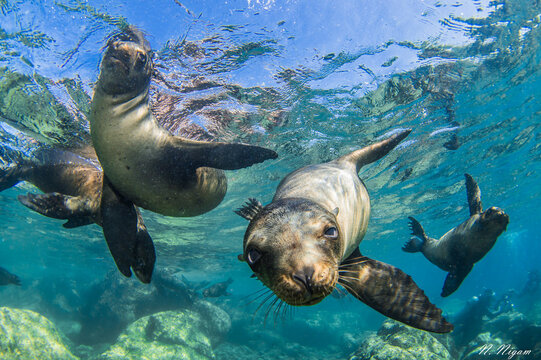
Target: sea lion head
column 494, row 220
column 126, row 66
column 294, row 246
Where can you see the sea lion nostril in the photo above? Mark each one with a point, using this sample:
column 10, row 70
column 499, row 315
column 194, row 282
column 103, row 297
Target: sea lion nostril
column 305, row 277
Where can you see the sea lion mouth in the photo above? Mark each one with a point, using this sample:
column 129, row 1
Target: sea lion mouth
column 309, row 291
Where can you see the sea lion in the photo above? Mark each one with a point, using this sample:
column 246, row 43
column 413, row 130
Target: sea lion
column 306, row 241
column 464, row 245
column 144, row 163
column 73, row 191
column 7, row 278
column 218, row 289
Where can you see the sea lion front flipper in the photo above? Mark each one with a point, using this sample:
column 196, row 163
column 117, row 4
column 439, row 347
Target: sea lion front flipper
column 454, row 279
column 218, row 155
column 474, row 195
column 374, row 152
column 391, row 292
column 76, row 209
column 119, row 222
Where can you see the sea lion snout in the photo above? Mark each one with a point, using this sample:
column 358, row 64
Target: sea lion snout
column 294, row 247
column 496, row 217
column 313, row 283
column 127, row 64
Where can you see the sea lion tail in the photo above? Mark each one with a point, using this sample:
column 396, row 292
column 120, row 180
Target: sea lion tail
column 374, row 152
column 391, row 292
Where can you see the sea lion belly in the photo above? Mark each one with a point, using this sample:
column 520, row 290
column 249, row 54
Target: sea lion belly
column 332, row 186
column 139, row 165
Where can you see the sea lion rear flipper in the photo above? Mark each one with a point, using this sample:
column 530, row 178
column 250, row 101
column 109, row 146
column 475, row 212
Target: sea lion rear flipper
column 374, row 152
column 391, row 292
column 250, row 209
column 218, row 155
column 417, row 229
column 145, row 254
column 474, row 195
column 454, row 279
column 119, row 221
column 77, row 210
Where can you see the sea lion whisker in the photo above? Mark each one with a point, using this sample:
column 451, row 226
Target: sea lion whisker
column 357, row 261
column 277, row 311
column 262, row 303
column 348, row 287
column 269, row 308
column 257, row 295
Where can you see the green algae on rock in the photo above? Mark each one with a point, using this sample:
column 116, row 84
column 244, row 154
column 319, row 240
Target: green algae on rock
column 27, row 335
column 400, row 342
column 168, row 335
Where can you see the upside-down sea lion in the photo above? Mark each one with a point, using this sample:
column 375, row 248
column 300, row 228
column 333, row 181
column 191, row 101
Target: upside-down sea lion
column 461, row 247
column 144, row 163
column 73, row 191
column 306, row 241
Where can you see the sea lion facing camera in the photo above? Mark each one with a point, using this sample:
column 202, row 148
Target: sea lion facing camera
column 73, row 191
column 461, row 247
column 306, row 241
column 144, row 163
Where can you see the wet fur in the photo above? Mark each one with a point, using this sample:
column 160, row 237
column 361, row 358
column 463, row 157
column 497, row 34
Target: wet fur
column 144, row 163
column 302, row 265
column 461, row 247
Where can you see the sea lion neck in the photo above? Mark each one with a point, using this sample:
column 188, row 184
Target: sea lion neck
column 122, row 103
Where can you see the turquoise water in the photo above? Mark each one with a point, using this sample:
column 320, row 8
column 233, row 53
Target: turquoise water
column 312, row 81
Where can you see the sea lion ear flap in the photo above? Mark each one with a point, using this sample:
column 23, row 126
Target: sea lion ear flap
column 474, row 195
column 250, row 209
column 391, row 292
column 335, row 211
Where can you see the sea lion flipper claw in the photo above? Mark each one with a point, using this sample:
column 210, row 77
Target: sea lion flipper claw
column 250, row 209
column 417, row 229
column 58, row 206
column 393, row 293
column 218, row 155
column 454, row 279
column 474, row 195
column 119, row 222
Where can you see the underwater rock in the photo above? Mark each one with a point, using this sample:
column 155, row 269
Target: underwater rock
column 475, row 350
column 397, row 341
column 25, row 334
column 167, row 335
column 217, row 322
column 103, row 316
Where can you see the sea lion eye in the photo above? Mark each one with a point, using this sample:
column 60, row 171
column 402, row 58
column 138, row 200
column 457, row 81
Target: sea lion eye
column 252, row 256
column 141, row 58
column 331, row 232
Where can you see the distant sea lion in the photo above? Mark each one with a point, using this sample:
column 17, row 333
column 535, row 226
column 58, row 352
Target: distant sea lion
column 7, row 278
column 73, row 192
column 463, row 246
column 144, row 163
column 218, row 289
column 306, row 241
